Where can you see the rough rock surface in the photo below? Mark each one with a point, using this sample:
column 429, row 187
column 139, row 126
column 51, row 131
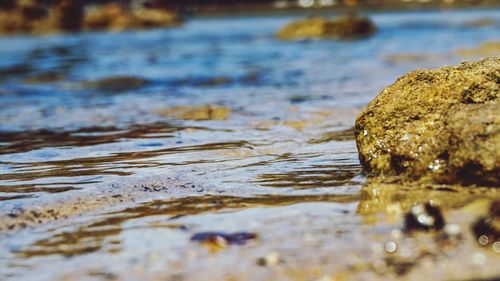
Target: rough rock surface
column 347, row 27
column 435, row 126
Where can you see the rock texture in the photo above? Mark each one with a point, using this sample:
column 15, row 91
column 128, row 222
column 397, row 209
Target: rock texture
column 435, row 126
column 347, row 27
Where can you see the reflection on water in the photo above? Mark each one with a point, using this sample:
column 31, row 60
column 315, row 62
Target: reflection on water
column 69, row 174
column 14, row 142
column 343, row 135
column 394, row 199
column 92, row 237
column 316, row 176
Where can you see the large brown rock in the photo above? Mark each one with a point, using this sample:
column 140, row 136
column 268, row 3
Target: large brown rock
column 347, row 27
column 436, row 126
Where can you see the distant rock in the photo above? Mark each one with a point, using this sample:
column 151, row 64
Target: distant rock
column 196, row 113
column 436, row 126
column 44, row 77
column 486, row 49
column 29, row 16
column 116, row 84
column 482, row 22
column 346, row 27
column 114, row 17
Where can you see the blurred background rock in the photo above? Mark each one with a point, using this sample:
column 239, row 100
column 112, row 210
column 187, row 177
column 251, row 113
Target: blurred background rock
column 49, row 16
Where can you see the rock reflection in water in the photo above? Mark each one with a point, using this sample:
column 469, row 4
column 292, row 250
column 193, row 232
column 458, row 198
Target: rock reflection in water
column 316, row 176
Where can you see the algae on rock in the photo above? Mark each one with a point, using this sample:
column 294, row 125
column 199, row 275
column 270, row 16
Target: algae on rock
column 437, row 126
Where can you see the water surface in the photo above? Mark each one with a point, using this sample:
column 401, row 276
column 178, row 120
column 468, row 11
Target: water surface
column 116, row 147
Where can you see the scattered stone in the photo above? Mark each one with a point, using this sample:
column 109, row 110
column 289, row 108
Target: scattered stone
column 271, row 259
column 346, row 27
column 197, row 113
column 487, row 228
column 218, row 240
column 116, row 84
column 203, row 82
column 424, row 217
column 435, row 126
column 44, row 77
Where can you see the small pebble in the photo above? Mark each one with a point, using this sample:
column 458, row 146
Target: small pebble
column 219, row 238
column 424, row 217
column 271, row 259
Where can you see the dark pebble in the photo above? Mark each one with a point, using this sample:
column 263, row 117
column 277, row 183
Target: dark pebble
column 424, row 217
column 237, row 238
column 487, row 229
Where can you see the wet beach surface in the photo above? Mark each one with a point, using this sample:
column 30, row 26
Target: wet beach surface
column 117, row 148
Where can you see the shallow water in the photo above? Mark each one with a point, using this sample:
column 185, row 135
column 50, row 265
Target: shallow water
column 107, row 179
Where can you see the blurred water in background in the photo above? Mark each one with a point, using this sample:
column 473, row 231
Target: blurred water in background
column 234, row 61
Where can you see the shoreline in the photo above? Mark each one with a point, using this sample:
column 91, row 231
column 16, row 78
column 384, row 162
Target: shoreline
column 266, row 12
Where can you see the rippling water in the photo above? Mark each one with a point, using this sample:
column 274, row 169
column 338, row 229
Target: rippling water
column 115, row 147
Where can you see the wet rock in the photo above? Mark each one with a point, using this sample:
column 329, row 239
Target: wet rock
column 218, row 240
column 435, row 126
column 116, row 84
column 482, row 22
column 14, row 21
column 44, row 77
column 31, row 11
column 69, row 14
column 15, row 71
column 487, row 228
column 30, row 16
column 486, row 49
column 203, row 82
column 115, row 17
column 197, row 113
column 415, row 58
column 347, row 27
column 424, row 217
column 27, row 16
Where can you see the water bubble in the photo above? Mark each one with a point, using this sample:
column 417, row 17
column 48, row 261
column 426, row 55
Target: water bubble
column 483, row 240
column 435, row 166
column 391, row 247
column 496, row 247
